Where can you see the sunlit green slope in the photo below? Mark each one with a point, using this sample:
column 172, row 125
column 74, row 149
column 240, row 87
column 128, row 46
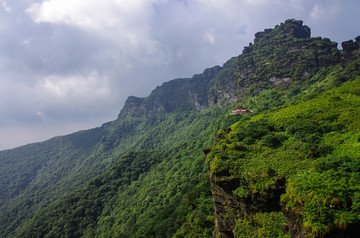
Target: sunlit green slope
column 294, row 170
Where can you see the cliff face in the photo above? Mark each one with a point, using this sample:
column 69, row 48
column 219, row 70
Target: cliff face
column 285, row 61
column 197, row 93
column 176, row 95
column 283, row 55
column 350, row 49
column 133, row 106
column 291, row 172
column 278, row 57
column 265, row 170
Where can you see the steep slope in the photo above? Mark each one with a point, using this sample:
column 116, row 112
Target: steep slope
column 147, row 204
column 35, row 175
column 155, row 182
column 298, row 165
column 293, row 170
column 195, row 94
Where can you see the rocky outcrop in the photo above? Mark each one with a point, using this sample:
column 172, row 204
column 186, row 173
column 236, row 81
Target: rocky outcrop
column 294, row 224
column 215, row 86
column 173, row 96
column 350, row 50
column 277, row 58
column 350, row 45
column 283, row 55
column 229, row 207
column 133, row 106
column 291, row 28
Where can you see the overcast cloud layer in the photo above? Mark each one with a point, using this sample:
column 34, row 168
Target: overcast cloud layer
column 67, row 65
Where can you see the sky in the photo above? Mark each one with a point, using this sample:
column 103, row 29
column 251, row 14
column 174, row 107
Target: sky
column 69, row 65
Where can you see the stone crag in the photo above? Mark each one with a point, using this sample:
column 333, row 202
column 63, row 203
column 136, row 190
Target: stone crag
column 280, row 57
column 277, row 58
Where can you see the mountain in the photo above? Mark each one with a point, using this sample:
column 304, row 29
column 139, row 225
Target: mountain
column 34, row 176
column 289, row 168
column 292, row 170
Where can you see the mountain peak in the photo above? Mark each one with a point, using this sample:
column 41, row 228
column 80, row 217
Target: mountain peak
column 291, row 28
column 132, row 106
column 278, row 57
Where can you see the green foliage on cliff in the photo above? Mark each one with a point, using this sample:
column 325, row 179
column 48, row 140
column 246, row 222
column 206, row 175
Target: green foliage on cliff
column 261, row 225
column 313, row 144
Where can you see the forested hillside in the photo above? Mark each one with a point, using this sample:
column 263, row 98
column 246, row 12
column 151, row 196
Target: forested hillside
column 294, row 170
column 35, row 175
column 289, row 168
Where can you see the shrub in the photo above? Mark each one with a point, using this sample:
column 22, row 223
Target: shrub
column 270, row 140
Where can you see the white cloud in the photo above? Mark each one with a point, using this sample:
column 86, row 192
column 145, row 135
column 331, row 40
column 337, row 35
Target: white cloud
column 25, row 42
column 126, row 18
column 123, row 22
column 257, row 3
column 91, row 14
column 73, row 91
column 70, row 60
column 209, row 36
column 55, row 98
column 320, row 12
column 5, row 6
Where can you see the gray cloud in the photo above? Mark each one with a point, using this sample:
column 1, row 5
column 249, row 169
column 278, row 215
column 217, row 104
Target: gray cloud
column 67, row 65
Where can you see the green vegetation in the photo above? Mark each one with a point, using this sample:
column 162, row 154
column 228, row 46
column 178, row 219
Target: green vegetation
column 261, row 225
column 36, row 175
column 313, row 144
column 159, row 192
column 291, row 166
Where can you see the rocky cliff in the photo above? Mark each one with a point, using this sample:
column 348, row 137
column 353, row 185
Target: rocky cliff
column 187, row 94
column 278, row 57
column 255, row 164
column 350, row 50
column 284, row 55
column 283, row 58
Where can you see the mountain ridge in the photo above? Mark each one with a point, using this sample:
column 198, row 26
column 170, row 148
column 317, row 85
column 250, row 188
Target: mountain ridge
column 203, row 91
column 159, row 139
column 183, row 94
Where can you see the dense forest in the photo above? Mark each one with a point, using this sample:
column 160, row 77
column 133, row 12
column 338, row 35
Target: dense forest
column 178, row 163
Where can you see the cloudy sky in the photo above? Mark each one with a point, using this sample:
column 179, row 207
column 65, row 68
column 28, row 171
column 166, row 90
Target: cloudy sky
column 67, row 65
